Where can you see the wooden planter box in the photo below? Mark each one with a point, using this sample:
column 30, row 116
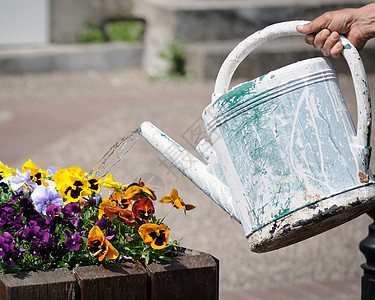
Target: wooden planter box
column 190, row 275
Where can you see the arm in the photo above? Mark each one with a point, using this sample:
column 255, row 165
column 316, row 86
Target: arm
column 357, row 24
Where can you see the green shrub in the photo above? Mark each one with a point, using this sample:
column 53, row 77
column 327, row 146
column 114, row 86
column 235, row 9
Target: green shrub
column 123, row 31
column 176, row 56
column 90, row 33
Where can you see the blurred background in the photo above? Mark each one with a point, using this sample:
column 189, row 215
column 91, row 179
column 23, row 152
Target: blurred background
column 75, row 76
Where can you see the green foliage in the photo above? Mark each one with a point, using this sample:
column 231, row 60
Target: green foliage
column 176, row 57
column 123, row 31
column 90, row 33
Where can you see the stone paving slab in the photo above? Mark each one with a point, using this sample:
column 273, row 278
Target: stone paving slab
column 346, row 289
column 81, row 114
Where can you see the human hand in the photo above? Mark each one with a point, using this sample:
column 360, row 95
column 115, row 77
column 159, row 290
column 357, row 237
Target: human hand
column 358, row 25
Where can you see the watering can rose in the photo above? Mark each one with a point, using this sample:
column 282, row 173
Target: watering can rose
column 59, row 218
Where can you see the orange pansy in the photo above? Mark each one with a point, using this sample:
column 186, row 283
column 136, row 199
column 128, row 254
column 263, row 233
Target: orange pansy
column 143, row 208
column 127, row 216
column 135, row 192
column 177, row 202
column 154, row 235
column 107, row 208
column 99, row 246
column 120, row 199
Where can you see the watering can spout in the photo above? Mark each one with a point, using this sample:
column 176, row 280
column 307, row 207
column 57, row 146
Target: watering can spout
column 206, row 176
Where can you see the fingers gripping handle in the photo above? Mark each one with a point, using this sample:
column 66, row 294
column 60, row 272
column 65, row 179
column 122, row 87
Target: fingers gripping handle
column 243, row 49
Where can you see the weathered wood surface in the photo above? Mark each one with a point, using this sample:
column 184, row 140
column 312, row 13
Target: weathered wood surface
column 185, row 277
column 190, row 275
column 113, row 281
column 43, row 285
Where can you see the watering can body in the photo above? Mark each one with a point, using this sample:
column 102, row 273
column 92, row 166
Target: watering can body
column 286, row 160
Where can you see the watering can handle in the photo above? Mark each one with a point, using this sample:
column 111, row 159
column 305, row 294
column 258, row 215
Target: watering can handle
column 243, row 49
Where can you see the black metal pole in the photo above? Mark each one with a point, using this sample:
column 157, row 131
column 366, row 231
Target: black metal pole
column 367, row 247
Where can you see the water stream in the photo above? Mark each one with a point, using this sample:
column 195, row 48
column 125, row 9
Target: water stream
column 115, row 154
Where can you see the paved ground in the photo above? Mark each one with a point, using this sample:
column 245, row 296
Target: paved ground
column 72, row 119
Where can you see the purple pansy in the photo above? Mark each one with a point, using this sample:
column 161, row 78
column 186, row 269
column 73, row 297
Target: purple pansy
column 15, row 222
column 44, row 196
column 106, row 225
column 51, row 212
column 35, row 234
column 72, row 213
column 15, row 198
column 6, row 243
column 73, row 242
column 11, row 257
column 27, row 209
column 19, row 181
column 51, row 171
column 6, row 214
column 34, row 250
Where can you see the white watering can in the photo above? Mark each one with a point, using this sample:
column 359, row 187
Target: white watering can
column 285, row 160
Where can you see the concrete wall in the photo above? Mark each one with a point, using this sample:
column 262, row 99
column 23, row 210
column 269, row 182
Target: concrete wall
column 68, row 16
column 24, row 21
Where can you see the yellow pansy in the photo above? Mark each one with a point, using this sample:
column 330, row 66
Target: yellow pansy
column 37, row 175
column 5, row 171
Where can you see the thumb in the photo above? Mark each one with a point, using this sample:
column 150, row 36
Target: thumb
column 316, row 25
column 305, row 29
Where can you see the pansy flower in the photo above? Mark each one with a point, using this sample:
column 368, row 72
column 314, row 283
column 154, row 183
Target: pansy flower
column 72, row 213
column 51, row 212
column 109, row 183
column 136, row 191
column 143, row 208
column 176, row 201
column 72, row 241
column 72, row 184
column 36, row 175
column 6, row 214
column 11, row 257
column 94, row 184
column 15, row 222
column 99, row 246
column 5, row 171
column 20, row 181
column 127, row 216
column 154, row 235
column 104, row 223
column 34, row 250
column 44, row 196
column 75, row 189
column 120, row 199
column 108, row 208
column 51, row 171
column 35, row 234
column 27, row 208
column 6, row 243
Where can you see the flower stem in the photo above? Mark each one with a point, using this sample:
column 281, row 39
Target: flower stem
column 161, row 221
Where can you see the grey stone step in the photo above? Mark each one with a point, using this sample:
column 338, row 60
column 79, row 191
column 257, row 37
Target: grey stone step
column 205, row 58
column 74, row 57
column 206, row 20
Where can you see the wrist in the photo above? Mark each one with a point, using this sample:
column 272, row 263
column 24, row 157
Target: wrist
column 366, row 20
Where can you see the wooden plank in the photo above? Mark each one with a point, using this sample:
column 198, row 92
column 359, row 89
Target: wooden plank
column 112, row 281
column 185, row 277
column 42, row 285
